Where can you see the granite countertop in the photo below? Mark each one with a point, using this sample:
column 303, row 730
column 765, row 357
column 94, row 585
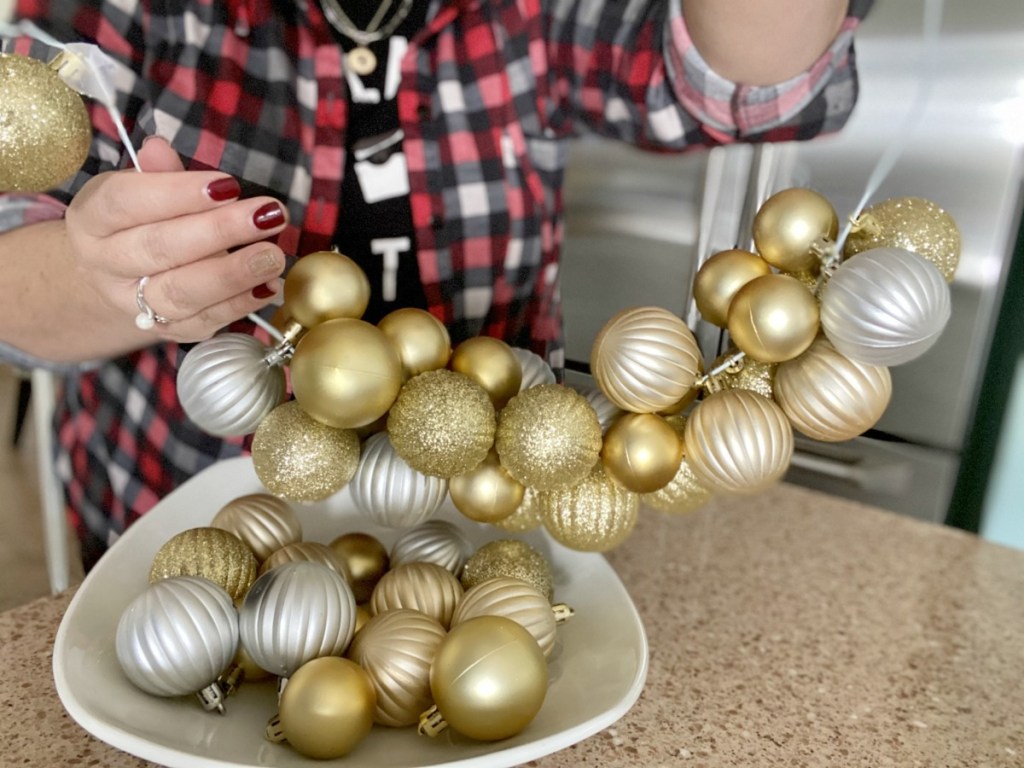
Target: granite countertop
column 791, row 629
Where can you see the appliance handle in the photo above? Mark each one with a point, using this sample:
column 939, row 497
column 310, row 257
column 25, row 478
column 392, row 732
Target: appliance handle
column 892, row 478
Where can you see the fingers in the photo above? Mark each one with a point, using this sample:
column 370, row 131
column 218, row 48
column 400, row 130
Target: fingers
column 158, row 155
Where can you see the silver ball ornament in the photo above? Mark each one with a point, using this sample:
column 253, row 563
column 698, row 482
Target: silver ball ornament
column 535, row 370
column 435, row 541
column 390, row 492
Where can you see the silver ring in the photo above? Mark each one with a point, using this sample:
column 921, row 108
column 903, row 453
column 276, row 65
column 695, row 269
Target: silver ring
column 146, row 318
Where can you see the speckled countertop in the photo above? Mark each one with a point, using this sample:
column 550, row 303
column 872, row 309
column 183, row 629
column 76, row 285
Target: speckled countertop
column 793, row 629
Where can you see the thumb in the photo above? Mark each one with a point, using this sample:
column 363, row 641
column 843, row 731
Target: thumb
column 158, row 155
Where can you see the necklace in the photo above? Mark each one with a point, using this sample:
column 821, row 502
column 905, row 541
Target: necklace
column 361, row 59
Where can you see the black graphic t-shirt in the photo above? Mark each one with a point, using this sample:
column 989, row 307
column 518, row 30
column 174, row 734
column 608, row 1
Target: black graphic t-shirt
column 375, row 223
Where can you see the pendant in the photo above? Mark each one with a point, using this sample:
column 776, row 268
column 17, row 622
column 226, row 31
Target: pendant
column 361, row 60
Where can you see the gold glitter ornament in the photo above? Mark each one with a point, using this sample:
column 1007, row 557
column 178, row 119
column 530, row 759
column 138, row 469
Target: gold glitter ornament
column 327, row 707
column 790, row 225
column 641, row 452
column 526, row 518
column 595, row 515
column 323, row 286
column 487, row 493
column 210, row 553
column 264, row 522
column 913, row 223
column 773, row 318
column 514, row 599
column 746, row 373
column 345, row 373
column 396, row 648
column 299, row 459
column 310, row 552
column 718, row 279
column 424, row 587
column 366, row 560
column 421, row 340
column 548, row 437
column 513, row 558
column 45, row 131
column 645, row 359
column 492, row 364
column 684, row 492
column 442, row 423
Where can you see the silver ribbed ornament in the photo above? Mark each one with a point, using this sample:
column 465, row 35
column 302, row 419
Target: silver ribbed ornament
column 390, row 492
column 435, row 541
column 294, row 613
column 264, row 522
column 177, row 636
column 535, row 370
column 227, row 384
column 607, row 411
column 886, row 306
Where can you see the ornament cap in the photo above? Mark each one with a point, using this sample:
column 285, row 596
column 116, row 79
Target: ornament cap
column 212, row 698
column 432, row 723
column 231, row 680
column 274, row 733
column 562, row 612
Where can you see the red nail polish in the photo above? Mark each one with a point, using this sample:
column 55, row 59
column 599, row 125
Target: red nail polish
column 224, row 189
column 263, row 291
column 268, row 216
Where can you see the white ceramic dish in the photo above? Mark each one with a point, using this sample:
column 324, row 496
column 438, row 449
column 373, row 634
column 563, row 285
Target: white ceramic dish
column 597, row 670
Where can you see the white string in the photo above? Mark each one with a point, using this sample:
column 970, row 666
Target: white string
column 275, row 334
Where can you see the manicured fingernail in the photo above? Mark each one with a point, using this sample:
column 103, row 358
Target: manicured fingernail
column 224, row 189
column 263, row 263
column 263, row 291
column 152, row 136
column 268, row 216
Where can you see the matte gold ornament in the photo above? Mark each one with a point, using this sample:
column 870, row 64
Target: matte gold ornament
column 363, row 616
column 210, row 553
column 645, row 359
column 390, row 492
column 45, row 131
column 442, row 423
column 548, row 437
column 514, row 599
column 492, row 364
column 487, row 493
column 325, row 285
column 264, row 522
column 435, row 541
column 327, row 707
column 738, row 441
column 345, row 373
column 641, row 452
column 308, row 552
column 396, row 648
column 912, row 223
column 595, row 515
column 684, row 493
column 421, row 340
column 527, row 517
column 718, row 279
column 746, row 373
column 509, row 557
column 790, row 225
column 424, row 587
column 534, row 369
column 829, row 397
column 773, row 318
column 488, row 680
column 300, row 459
column 366, row 560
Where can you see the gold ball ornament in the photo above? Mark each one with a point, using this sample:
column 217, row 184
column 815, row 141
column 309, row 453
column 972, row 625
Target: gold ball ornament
column 421, row 340
column 363, row 617
column 641, row 452
column 526, row 518
column 684, row 493
column 327, row 707
column 424, row 587
column 492, row 364
column 442, row 423
column 789, row 225
column 718, row 279
column 913, row 223
column 264, row 522
column 307, row 552
column 396, row 648
column 645, row 359
column 513, row 558
column 773, row 318
column 45, row 131
column 250, row 671
column 548, row 437
column 366, row 560
column 514, row 599
column 829, row 397
column 746, row 373
column 738, row 442
column 345, row 373
column 487, row 493
column 594, row 515
column 300, row 459
column 489, row 678
column 210, row 553
column 325, row 285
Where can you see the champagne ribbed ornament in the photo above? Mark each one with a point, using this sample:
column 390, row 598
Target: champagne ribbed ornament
column 435, row 541
column 390, row 492
column 210, row 553
column 263, row 522
column 307, row 552
column 424, row 587
column 514, row 599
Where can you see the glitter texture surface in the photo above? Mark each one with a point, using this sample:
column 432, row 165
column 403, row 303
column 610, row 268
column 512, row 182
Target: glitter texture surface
column 210, row 553
column 746, row 374
column 513, row 558
column 595, row 515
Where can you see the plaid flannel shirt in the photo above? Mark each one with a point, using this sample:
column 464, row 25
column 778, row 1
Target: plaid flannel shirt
column 490, row 91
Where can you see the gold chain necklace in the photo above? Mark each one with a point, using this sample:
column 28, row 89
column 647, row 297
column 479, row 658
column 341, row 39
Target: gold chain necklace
column 361, row 59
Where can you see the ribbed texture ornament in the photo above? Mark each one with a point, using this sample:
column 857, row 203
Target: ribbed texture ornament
column 226, row 387
column 435, row 541
column 829, row 397
column 595, row 515
column 307, row 552
column 423, row 587
column 886, row 306
column 606, row 410
column 177, row 636
column 535, row 370
column 295, row 613
column 210, row 553
column 514, row 599
column 264, row 522
column 738, row 442
column 396, row 649
column 390, row 492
